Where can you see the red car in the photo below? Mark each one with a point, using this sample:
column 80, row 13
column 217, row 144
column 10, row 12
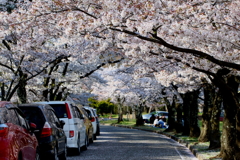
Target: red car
column 17, row 140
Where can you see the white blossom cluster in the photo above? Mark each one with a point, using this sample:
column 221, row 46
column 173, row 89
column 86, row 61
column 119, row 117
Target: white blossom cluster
column 39, row 31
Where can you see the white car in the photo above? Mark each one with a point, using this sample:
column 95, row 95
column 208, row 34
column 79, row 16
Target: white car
column 74, row 127
column 94, row 119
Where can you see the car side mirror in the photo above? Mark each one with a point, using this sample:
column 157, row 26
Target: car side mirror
column 62, row 123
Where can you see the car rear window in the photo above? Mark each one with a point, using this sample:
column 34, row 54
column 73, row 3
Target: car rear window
column 60, row 110
column 88, row 112
column 34, row 115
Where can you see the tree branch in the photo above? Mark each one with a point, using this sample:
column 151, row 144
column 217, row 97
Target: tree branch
column 196, row 53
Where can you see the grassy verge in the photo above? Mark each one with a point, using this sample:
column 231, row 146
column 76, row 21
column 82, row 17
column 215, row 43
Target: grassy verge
column 200, row 148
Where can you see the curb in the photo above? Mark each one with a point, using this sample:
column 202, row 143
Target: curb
column 189, row 146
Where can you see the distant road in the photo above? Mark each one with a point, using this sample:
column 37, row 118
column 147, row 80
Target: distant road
column 116, row 143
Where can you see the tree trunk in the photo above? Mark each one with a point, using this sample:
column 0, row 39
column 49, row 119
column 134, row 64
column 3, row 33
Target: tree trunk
column 2, row 91
column 120, row 114
column 21, row 91
column 194, row 128
column 190, row 103
column 215, row 132
column 138, row 114
column 171, row 114
column 230, row 141
column 207, row 111
column 186, row 115
column 179, row 124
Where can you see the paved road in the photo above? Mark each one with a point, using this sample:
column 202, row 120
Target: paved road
column 116, row 143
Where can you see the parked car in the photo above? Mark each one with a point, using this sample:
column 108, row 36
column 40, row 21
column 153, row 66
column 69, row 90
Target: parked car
column 51, row 137
column 74, row 127
column 17, row 140
column 98, row 123
column 87, row 123
column 146, row 117
column 221, row 116
column 93, row 118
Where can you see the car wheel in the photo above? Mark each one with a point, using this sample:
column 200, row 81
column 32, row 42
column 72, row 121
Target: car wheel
column 55, row 155
column 98, row 131
column 94, row 136
column 37, row 156
column 20, row 156
column 63, row 156
column 78, row 149
column 91, row 139
column 86, row 143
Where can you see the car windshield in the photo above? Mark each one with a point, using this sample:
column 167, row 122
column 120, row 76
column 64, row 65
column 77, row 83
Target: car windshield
column 60, row 110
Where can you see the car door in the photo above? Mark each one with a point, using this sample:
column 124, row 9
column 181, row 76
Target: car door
column 57, row 130
column 27, row 140
column 82, row 129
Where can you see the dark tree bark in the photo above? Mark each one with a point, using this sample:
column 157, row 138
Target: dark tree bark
column 179, row 124
column 186, row 115
column 194, row 128
column 230, row 140
column 210, row 117
column 215, row 134
column 171, row 114
column 120, row 102
column 190, row 107
column 21, row 90
column 2, row 91
column 120, row 113
column 138, row 113
column 206, row 116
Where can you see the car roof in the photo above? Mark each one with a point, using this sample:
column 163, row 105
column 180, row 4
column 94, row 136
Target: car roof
column 33, row 105
column 41, row 106
column 7, row 104
column 87, row 107
column 161, row 111
column 53, row 102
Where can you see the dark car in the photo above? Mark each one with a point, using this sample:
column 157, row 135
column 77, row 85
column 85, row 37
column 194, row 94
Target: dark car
column 51, row 137
column 17, row 140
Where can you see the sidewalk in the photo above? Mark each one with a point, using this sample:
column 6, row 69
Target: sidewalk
column 198, row 149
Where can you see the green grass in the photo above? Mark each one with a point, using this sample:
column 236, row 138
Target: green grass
column 130, row 122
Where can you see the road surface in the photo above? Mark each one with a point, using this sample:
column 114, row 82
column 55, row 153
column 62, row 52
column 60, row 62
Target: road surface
column 117, row 143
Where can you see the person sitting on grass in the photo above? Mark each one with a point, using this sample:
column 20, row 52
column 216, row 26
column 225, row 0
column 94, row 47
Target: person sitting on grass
column 155, row 123
column 161, row 123
column 152, row 118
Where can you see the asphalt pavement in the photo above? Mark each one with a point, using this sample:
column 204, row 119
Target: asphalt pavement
column 117, row 143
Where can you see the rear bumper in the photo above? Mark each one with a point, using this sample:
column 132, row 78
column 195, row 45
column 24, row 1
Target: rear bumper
column 72, row 142
column 46, row 147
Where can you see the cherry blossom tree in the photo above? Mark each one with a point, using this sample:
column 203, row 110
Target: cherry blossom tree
column 201, row 35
